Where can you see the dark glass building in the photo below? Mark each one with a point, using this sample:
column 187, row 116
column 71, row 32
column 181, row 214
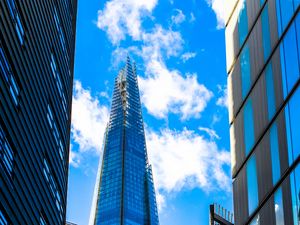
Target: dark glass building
column 125, row 188
column 263, row 64
column 37, row 40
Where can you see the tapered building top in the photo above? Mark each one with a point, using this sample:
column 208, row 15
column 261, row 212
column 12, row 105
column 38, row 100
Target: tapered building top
column 125, row 192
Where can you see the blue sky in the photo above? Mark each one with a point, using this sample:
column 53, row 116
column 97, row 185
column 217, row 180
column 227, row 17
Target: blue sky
column 179, row 48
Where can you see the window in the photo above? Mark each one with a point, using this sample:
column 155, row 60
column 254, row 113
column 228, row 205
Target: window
column 248, row 126
column 9, row 77
column 295, row 192
column 255, row 221
column 278, row 207
column 42, row 220
column 3, row 220
column 243, row 23
column 252, row 185
column 289, row 60
column 55, row 131
column 292, row 112
column 270, row 91
column 274, row 154
column 245, row 70
column 59, row 85
column 285, row 12
column 16, row 19
column 6, row 153
column 266, row 33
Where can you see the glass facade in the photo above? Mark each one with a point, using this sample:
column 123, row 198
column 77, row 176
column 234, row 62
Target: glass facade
column 263, row 66
column 126, row 192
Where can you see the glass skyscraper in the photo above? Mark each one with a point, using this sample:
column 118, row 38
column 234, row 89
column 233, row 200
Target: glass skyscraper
column 37, row 45
column 125, row 192
column 263, row 64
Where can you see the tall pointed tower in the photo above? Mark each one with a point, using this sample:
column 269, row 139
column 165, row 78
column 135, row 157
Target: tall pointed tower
column 124, row 190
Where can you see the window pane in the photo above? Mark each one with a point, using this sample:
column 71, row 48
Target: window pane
column 274, row 154
column 243, row 23
column 255, row 221
column 248, row 126
column 270, row 91
column 294, row 108
column 295, row 192
column 252, row 185
column 278, row 207
column 245, row 70
column 285, row 11
column 266, row 33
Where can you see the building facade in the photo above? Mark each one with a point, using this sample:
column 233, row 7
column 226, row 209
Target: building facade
column 125, row 191
column 37, row 42
column 220, row 216
column 263, row 59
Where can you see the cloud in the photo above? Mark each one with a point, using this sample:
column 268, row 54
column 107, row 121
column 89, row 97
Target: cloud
column 192, row 18
column 223, row 99
column 123, row 17
column 178, row 18
column 184, row 159
column 89, row 119
column 167, row 91
column 74, row 158
column 212, row 133
column 187, row 56
column 219, row 7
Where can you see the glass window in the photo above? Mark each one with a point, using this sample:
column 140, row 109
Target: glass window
column 252, row 185
column 3, row 220
column 266, row 33
column 16, row 19
column 6, row 153
column 255, row 221
column 245, row 70
column 285, row 10
column 278, row 207
column 289, row 60
column 248, row 126
column 295, row 192
column 274, row 154
column 270, row 91
column 298, row 33
column 243, row 23
column 294, row 112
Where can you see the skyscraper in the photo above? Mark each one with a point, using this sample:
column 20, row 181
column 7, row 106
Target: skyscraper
column 125, row 191
column 37, row 41
column 263, row 58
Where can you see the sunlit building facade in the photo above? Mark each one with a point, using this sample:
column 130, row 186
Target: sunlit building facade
column 37, row 45
column 263, row 62
column 125, row 192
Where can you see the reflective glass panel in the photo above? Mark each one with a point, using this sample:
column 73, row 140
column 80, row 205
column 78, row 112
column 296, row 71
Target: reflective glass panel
column 243, row 23
column 274, row 154
column 252, row 185
column 295, row 192
column 245, row 70
column 285, row 10
column 270, row 91
column 278, row 207
column 248, row 126
column 255, row 221
column 266, row 32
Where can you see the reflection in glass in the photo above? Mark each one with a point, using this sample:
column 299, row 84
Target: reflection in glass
column 252, row 185
column 274, row 154
column 270, row 91
column 243, row 23
column 255, row 221
column 245, row 70
column 295, row 192
column 266, row 33
column 278, row 207
column 248, row 126
column 285, row 11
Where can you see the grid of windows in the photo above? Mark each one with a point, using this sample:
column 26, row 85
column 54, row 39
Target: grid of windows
column 9, row 77
column 53, row 187
column 15, row 15
column 55, row 131
column 3, row 220
column 6, row 153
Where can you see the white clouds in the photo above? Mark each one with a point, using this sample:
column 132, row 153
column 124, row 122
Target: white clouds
column 212, row 133
column 223, row 99
column 192, row 18
column 178, row 18
column 187, row 160
column 219, row 7
column 122, row 17
column 89, row 120
column 188, row 55
column 167, row 91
